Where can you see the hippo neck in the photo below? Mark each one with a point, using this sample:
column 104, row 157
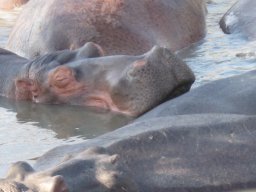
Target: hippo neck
column 11, row 66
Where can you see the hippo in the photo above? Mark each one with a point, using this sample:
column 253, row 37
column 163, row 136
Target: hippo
column 240, row 18
column 126, row 27
column 93, row 170
column 11, row 4
column 229, row 95
column 197, row 152
column 124, row 84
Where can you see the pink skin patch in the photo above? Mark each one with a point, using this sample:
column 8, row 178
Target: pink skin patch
column 103, row 100
column 139, row 63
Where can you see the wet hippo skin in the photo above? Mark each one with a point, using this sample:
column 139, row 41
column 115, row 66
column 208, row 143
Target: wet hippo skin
column 204, row 152
column 125, row 84
column 128, row 27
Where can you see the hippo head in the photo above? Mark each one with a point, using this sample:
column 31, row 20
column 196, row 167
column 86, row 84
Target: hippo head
column 93, row 170
column 127, row 84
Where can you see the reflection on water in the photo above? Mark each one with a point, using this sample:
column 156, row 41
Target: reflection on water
column 7, row 20
column 215, row 56
column 27, row 130
column 68, row 121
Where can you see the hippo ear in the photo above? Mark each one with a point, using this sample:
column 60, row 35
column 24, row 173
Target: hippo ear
column 19, row 170
column 54, row 184
column 90, row 50
column 61, row 77
column 25, row 88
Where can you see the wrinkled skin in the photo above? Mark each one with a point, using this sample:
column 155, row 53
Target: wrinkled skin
column 207, row 152
column 125, row 84
column 241, row 18
column 230, row 95
column 128, row 27
column 10, row 4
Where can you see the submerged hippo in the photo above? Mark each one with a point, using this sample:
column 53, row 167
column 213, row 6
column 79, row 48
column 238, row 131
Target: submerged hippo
column 207, row 152
column 241, row 18
column 10, row 4
column 129, row 27
column 126, row 84
column 230, row 95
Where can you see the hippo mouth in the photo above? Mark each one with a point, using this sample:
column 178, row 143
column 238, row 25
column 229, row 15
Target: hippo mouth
column 97, row 102
column 103, row 101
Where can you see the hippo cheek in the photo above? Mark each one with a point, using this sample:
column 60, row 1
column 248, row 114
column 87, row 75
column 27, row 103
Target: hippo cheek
column 144, row 84
column 132, row 94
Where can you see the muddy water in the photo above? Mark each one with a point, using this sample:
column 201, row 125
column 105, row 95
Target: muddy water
column 27, row 130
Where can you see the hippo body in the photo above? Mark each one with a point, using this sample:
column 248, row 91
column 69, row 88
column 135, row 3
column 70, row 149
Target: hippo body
column 240, row 18
column 204, row 152
column 126, row 84
column 127, row 27
column 230, row 95
column 11, row 4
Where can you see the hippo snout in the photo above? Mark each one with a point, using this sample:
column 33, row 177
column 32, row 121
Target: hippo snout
column 151, row 79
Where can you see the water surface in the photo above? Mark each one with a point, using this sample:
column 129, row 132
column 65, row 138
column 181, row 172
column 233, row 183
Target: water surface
column 27, row 130
column 215, row 57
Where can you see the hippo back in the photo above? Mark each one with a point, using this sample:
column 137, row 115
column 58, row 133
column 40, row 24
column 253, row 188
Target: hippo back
column 204, row 152
column 120, row 27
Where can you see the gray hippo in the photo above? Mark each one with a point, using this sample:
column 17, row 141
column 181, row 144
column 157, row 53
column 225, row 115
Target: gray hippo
column 129, row 27
column 241, row 19
column 125, row 84
column 204, row 152
column 11, row 4
column 230, row 95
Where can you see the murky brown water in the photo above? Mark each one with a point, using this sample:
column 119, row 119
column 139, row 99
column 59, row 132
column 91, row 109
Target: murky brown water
column 27, row 130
